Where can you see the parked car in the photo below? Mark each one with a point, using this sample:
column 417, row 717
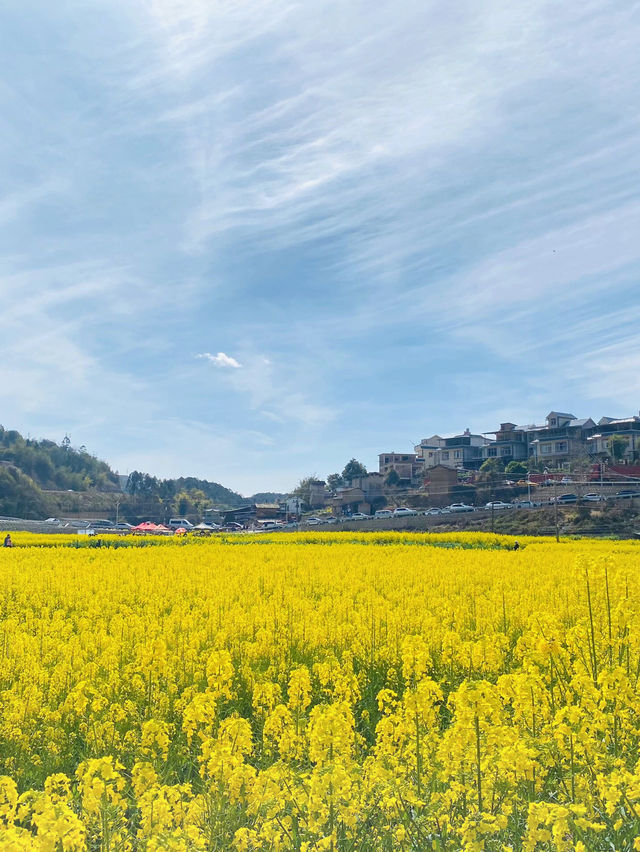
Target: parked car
column 313, row 521
column 232, row 526
column 56, row 522
column 568, row 498
column 270, row 525
column 383, row 513
column 460, row 507
column 498, row 504
column 176, row 523
column 358, row 516
column 100, row 524
column 526, row 504
column 592, row 497
column 566, row 480
column 627, row 493
column 433, row 511
column 123, row 525
column 402, row 511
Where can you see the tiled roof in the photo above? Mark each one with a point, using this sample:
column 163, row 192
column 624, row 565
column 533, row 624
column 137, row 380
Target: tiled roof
column 562, row 414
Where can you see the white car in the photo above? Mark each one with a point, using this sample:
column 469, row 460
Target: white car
column 358, row 516
column 592, row 497
column 498, row 504
column 460, row 507
column 383, row 513
column 177, row 523
column 313, row 521
column 401, row 511
column 433, row 511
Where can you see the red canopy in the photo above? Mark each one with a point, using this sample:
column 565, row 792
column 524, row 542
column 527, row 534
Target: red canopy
column 146, row 526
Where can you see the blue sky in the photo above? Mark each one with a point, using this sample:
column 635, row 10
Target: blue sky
column 248, row 241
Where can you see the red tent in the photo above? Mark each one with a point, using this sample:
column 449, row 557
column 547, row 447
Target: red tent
column 146, row 526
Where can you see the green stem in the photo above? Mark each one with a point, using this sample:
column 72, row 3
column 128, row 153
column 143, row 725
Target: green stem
column 479, row 771
column 593, row 634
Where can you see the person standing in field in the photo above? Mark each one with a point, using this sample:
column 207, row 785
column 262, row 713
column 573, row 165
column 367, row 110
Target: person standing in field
column 7, row 541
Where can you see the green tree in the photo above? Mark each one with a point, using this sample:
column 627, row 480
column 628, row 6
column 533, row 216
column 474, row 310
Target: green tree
column 303, row 489
column 491, row 466
column 352, row 470
column 516, row 468
column 334, row 480
column 618, row 447
column 392, row 479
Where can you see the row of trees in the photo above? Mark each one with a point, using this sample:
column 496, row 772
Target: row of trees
column 145, row 486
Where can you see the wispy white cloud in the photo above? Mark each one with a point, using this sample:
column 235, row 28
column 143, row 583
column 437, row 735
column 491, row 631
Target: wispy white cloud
column 221, row 360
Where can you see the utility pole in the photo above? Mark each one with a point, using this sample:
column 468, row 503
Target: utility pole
column 493, row 508
column 555, row 508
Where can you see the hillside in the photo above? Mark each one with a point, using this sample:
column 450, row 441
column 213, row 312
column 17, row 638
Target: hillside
column 40, row 478
column 56, row 467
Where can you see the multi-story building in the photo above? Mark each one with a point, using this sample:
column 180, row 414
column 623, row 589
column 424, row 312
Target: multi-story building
column 408, row 466
column 626, row 427
column 563, row 438
column 428, row 450
column 463, row 450
column 511, row 443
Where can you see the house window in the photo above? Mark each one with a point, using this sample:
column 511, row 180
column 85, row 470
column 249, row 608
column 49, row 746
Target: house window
column 457, row 454
column 445, row 456
column 553, row 422
column 505, row 451
column 491, row 452
column 545, row 449
column 561, row 447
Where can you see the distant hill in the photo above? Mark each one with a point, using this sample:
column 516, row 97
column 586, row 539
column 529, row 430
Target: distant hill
column 37, row 478
column 56, row 467
column 266, row 497
column 218, row 494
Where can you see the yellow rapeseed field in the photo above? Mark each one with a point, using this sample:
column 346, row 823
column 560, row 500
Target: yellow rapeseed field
column 320, row 692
